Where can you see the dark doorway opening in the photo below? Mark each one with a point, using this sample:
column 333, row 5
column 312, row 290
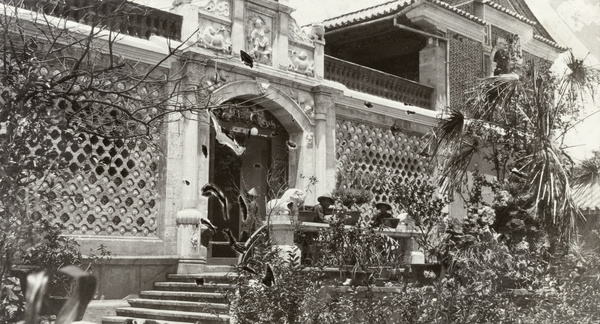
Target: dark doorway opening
column 263, row 163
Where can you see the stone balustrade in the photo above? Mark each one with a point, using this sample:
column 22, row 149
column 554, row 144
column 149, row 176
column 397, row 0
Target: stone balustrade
column 381, row 84
column 126, row 17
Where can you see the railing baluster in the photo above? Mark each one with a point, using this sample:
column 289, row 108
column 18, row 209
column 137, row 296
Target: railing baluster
column 385, row 85
column 132, row 19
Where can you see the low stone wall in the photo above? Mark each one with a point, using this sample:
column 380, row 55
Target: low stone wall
column 128, row 275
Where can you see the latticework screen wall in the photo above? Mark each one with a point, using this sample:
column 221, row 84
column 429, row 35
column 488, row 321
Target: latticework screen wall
column 379, row 156
column 108, row 188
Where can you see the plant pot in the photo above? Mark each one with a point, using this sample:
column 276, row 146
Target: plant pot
column 306, row 216
column 351, row 217
column 419, row 270
column 391, row 222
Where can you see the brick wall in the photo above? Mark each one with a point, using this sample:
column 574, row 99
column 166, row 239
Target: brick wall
column 466, row 65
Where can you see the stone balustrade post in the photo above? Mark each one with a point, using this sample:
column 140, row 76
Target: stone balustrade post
column 283, row 229
column 192, row 255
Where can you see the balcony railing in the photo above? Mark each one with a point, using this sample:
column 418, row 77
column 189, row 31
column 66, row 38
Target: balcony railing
column 381, row 84
column 125, row 17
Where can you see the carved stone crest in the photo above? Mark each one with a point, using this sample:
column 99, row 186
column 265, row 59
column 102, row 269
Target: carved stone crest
column 297, row 34
column 219, row 8
column 215, row 37
column 300, row 62
column 259, row 39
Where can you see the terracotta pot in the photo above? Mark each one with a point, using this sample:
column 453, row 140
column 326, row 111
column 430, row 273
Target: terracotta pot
column 391, row 222
column 306, row 216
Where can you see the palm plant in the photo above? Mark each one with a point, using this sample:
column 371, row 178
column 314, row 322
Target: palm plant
column 513, row 126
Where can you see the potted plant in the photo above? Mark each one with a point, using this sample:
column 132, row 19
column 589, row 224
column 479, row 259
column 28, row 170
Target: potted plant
column 425, row 208
column 350, row 199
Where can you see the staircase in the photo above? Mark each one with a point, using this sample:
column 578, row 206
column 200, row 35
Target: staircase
column 184, row 298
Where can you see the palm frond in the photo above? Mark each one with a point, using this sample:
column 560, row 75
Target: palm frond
column 583, row 79
column 550, row 182
column 587, row 173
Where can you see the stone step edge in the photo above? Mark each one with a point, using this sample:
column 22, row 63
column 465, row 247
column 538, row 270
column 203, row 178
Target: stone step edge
column 182, row 284
column 146, row 301
column 228, row 274
column 123, row 319
column 172, row 313
column 182, row 293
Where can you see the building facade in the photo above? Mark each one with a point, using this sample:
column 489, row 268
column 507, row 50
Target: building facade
column 362, row 87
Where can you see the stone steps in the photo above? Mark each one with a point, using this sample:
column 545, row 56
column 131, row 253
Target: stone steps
column 192, row 286
column 207, row 277
column 184, row 298
column 179, row 305
column 183, row 295
column 173, row 315
column 130, row 320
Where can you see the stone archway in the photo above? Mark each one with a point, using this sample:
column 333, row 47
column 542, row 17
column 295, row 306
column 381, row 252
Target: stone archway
column 273, row 112
column 277, row 102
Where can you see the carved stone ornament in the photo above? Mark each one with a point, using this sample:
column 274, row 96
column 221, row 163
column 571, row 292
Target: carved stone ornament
column 316, row 31
column 219, row 8
column 300, row 62
column 306, row 102
column 215, row 37
column 259, row 39
column 249, row 115
column 297, row 34
column 213, row 79
column 310, row 139
column 303, row 99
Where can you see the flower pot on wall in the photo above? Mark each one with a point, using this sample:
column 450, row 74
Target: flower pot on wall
column 306, row 216
column 391, row 222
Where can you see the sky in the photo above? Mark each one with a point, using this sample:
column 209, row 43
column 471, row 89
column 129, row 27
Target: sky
column 572, row 23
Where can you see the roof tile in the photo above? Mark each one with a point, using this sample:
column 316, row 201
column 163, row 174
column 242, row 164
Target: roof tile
column 386, row 9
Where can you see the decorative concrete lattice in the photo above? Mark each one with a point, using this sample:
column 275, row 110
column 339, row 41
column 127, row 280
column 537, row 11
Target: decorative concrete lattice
column 466, row 57
column 379, row 155
column 108, row 188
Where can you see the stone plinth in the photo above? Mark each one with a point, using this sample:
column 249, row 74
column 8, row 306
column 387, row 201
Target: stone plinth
column 192, row 255
column 283, row 228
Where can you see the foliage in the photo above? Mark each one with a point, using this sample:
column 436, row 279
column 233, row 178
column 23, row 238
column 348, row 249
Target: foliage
column 60, row 85
column 75, row 306
column 13, row 302
column 513, row 125
column 350, row 197
column 420, row 200
column 286, row 299
column 53, row 252
column 353, row 188
column 587, row 172
column 363, row 248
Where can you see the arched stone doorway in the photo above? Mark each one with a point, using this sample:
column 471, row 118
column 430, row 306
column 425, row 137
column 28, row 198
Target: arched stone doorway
column 263, row 167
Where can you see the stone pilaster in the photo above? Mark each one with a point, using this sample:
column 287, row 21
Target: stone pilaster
column 324, row 139
column 192, row 255
column 432, row 70
column 238, row 40
column 280, row 48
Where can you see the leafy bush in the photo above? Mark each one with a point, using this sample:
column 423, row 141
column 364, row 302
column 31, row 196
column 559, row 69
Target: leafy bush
column 53, row 252
column 351, row 197
column 282, row 302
